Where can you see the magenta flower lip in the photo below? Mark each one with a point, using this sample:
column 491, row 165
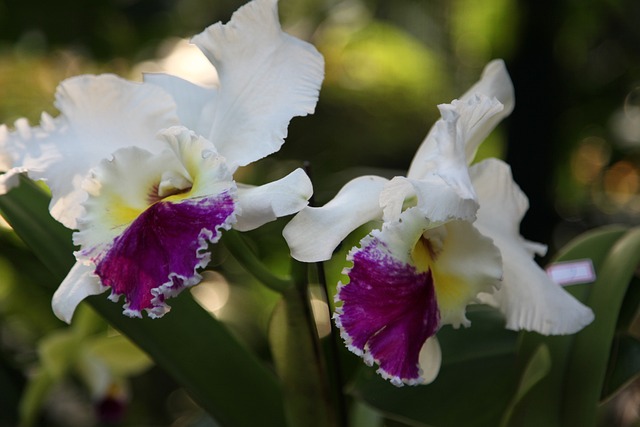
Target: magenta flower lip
column 388, row 311
column 159, row 254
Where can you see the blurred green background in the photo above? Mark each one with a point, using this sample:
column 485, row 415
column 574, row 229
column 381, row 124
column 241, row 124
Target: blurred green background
column 573, row 140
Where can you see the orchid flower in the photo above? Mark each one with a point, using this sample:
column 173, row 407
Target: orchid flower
column 144, row 172
column 449, row 238
column 102, row 363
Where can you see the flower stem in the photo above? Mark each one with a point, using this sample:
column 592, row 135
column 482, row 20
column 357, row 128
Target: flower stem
column 245, row 256
column 334, row 353
column 298, row 358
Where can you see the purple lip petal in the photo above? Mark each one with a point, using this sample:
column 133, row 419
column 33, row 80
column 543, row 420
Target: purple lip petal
column 158, row 254
column 389, row 310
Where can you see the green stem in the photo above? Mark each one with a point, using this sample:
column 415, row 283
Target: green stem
column 334, row 353
column 234, row 242
column 298, row 358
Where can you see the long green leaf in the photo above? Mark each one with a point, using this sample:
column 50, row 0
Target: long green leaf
column 196, row 349
column 542, row 406
column 536, row 369
column 26, row 209
column 588, row 358
column 624, row 366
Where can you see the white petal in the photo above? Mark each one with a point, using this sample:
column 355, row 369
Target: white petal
column 266, row 78
column 191, row 100
column 462, row 261
column 12, row 153
column 448, row 161
column 119, row 191
column 259, row 205
column 314, row 233
column 99, row 115
column 7, row 158
column 440, row 180
column 12, row 143
column 10, row 179
column 528, row 298
column 483, row 116
column 206, row 169
column 494, row 83
column 502, row 203
column 106, row 113
column 481, row 108
column 79, row 284
column 463, row 126
column 397, row 193
column 437, row 200
column 430, row 360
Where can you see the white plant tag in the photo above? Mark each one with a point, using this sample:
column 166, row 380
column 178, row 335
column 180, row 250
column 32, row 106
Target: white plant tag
column 572, row 272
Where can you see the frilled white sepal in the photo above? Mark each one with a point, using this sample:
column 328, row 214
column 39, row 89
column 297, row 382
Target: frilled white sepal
column 99, row 114
column 480, row 109
column 266, row 76
column 528, row 298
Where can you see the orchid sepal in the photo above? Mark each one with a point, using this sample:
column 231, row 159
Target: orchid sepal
column 276, row 78
column 529, row 299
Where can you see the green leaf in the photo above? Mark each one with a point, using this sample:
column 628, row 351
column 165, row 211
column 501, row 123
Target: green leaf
column 542, row 406
column 624, row 365
column 363, row 416
column 477, row 371
column 196, row 349
column 486, row 337
column 537, row 368
column 587, row 363
column 26, row 209
column 629, row 318
column 479, row 388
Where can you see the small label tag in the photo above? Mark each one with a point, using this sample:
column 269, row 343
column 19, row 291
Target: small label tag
column 572, row 272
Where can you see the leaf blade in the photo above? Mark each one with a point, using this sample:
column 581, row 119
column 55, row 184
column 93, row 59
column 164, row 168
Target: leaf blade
column 543, row 404
column 586, row 375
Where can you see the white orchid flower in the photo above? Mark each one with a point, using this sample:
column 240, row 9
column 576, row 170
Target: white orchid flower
column 144, row 172
column 450, row 237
